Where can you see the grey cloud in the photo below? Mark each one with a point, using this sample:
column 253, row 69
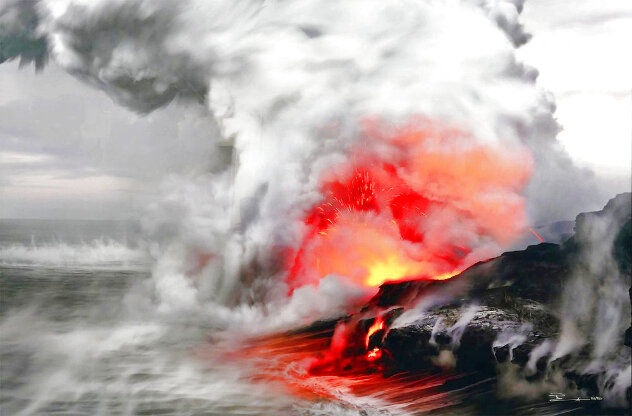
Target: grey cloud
column 84, row 131
column 19, row 38
column 140, row 27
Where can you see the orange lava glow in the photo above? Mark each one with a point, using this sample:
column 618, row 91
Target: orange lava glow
column 417, row 202
column 374, row 354
column 535, row 233
column 279, row 364
column 377, row 325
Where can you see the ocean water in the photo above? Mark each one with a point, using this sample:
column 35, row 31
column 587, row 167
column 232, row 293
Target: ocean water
column 72, row 344
column 77, row 336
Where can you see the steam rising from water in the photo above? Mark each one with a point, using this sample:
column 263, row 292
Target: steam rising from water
column 289, row 86
column 595, row 307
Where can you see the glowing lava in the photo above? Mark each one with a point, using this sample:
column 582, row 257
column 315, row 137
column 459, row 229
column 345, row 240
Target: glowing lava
column 417, row 202
column 379, row 324
column 374, row 353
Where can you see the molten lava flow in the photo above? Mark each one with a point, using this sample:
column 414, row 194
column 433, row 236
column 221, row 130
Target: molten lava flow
column 375, row 353
column 379, row 324
column 280, row 361
column 418, row 202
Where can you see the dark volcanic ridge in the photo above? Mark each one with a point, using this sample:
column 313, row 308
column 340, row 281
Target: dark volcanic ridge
column 541, row 320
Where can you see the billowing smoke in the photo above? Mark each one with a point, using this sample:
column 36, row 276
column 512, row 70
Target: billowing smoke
column 422, row 202
column 304, row 95
column 19, row 37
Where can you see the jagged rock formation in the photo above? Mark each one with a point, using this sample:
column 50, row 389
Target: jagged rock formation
column 517, row 299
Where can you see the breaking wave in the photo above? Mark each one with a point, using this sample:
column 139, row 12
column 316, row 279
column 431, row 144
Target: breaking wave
column 98, row 253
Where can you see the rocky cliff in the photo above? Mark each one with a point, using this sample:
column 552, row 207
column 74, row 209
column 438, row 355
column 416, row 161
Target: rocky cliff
column 511, row 309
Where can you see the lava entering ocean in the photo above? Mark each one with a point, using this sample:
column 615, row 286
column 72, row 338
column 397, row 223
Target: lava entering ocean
column 417, row 202
column 374, row 353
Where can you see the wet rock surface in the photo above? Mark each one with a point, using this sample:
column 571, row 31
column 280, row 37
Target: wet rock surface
column 535, row 274
column 501, row 310
column 501, row 319
column 493, row 335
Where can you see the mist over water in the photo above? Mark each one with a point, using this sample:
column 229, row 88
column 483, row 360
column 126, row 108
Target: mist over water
column 56, row 243
column 78, row 335
column 114, row 319
column 294, row 90
column 74, row 341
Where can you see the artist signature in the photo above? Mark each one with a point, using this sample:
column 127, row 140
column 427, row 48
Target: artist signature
column 561, row 397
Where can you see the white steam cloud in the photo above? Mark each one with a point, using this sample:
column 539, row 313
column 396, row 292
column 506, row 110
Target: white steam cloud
column 288, row 85
column 595, row 307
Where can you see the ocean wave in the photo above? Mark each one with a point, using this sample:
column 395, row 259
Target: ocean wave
column 96, row 253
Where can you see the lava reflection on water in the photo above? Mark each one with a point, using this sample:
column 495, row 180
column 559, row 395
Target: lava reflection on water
column 284, row 361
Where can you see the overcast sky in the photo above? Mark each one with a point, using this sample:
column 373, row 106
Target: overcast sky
column 68, row 151
column 580, row 47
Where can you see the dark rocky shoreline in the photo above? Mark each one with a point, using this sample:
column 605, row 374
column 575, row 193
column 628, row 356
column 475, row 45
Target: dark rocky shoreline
column 516, row 298
column 504, row 311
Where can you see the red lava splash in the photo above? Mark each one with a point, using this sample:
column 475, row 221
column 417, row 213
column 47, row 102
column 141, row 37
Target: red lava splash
column 420, row 201
column 356, row 344
column 282, row 363
column 374, row 353
column 416, row 202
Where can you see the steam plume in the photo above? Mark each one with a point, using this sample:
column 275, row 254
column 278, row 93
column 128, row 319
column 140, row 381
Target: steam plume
column 291, row 86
